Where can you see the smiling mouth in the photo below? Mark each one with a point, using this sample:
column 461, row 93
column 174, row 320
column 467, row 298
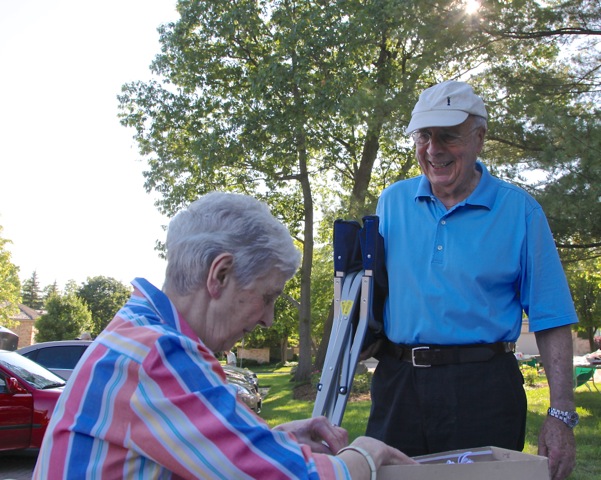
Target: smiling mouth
column 439, row 165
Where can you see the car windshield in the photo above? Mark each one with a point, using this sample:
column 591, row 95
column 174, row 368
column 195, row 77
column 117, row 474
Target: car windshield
column 29, row 371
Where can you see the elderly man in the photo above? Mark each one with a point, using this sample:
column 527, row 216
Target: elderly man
column 150, row 400
column 467, row 254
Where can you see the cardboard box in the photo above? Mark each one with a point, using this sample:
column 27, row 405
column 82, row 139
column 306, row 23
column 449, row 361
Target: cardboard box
column 489, row 463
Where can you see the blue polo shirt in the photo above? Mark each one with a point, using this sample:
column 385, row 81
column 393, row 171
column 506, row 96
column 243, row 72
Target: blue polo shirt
column 465, row 275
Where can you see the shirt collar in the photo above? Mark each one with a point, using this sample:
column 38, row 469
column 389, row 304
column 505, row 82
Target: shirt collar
column 483, row 195
column 163, row 307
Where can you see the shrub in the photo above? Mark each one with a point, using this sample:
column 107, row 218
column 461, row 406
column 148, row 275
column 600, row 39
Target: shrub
column 530, row 375
column 362, row 382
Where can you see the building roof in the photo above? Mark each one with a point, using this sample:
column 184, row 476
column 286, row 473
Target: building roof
column 25, row 313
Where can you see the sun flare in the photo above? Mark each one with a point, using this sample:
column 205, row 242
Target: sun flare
column 471, row 6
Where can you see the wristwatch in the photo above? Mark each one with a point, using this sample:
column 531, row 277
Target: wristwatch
column 567, row 417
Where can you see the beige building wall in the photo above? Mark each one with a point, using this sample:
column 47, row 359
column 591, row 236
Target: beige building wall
column 25, row 328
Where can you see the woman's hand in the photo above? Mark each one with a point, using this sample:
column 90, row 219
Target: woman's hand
column 318, row 433
column 382, row 453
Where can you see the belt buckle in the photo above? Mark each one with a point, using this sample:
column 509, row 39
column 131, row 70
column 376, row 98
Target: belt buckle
column 413, row 357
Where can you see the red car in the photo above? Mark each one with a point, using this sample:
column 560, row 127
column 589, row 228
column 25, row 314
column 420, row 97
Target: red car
column 28, row 394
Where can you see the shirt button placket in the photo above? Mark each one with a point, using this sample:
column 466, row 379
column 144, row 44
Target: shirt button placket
column 439, row 242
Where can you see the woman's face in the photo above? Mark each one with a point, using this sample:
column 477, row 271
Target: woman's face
column 239, row 310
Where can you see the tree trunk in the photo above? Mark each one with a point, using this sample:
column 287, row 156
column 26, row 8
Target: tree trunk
column 284, row 348
column 303, row 372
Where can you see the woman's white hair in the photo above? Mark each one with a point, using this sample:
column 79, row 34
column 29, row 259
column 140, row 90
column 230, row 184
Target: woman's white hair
column 226, row 223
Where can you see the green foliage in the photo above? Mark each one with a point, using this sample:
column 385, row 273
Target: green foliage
column 65, row 318
column 10, row 285
column 362, row 382
column 32, row 293
column 104, row 296
column 304, row 104
column 50, row 291
column 323, row 288
column 530, row 375
column 71, row 287
column 585, row 285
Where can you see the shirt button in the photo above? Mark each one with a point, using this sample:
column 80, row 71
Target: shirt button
column 439, row 248
column 443, row 222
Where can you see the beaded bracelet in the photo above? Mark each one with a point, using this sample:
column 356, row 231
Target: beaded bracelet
column 366, row 455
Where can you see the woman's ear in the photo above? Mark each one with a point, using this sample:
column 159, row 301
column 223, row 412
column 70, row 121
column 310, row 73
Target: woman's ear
column 220, row 273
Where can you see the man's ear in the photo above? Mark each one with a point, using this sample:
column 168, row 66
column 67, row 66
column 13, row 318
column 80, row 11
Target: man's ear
column 481, row 135
column 220, row 274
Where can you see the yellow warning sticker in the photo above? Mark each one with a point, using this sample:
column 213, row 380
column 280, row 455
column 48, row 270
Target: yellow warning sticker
column 346, row 306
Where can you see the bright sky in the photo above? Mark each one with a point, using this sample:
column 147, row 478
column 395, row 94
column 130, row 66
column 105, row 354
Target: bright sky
column 72, row 199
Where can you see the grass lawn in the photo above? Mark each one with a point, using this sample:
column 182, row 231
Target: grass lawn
column 279, row 406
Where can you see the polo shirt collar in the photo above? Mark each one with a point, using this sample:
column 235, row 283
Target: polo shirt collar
column 484, row 194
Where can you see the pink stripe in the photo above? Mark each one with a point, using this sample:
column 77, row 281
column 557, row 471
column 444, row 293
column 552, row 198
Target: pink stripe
column 61, row 436
column 229, row 443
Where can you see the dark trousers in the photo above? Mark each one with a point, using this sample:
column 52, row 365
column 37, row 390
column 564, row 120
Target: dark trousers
column 448, row 407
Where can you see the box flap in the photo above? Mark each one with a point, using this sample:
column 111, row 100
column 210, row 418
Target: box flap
column 490, row 463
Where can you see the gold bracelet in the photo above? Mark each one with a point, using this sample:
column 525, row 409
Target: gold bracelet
column 366, row 455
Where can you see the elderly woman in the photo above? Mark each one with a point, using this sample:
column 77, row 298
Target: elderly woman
column 149, row 399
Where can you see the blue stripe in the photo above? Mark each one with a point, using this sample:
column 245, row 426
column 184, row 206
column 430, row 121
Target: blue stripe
column 174, row 430
column 82, row 443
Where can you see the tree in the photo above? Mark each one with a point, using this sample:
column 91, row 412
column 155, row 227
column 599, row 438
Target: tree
column 50, row 291
column 71, row 287
column 32, row 293
column 10, row 285
column 585, row 284
column 65, row 318
column 279, row 99
column 104, row 296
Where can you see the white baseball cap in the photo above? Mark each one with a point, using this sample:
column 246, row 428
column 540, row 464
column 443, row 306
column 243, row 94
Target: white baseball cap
column 445, row 105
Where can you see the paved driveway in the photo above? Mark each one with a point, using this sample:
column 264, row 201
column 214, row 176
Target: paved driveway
column 17, row 466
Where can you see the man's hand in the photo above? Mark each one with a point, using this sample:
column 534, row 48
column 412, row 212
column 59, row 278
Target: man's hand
column 556, row 442
column 318, row 433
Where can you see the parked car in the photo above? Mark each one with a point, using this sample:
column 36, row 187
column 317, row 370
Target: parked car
column 248, row 375
column 28, row 395
column 243, row 377
column 246, row 392
column 61, row 356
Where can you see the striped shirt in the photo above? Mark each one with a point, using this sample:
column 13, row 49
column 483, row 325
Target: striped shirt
column 149, row 401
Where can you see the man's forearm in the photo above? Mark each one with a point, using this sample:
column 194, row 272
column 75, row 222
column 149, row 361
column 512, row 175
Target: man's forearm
column 555, row 347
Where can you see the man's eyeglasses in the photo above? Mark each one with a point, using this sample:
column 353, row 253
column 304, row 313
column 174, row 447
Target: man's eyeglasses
column 422, row 137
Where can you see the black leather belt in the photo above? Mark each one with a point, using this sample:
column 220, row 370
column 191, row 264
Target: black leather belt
column 432, row 355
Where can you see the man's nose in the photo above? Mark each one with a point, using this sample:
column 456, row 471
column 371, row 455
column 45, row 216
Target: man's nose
column 435, row 145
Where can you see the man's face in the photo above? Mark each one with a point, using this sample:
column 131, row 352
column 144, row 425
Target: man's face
column 448, row 159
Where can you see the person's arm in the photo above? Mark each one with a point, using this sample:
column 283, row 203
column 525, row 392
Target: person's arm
column 366, row 455
column 360, row 457
column 318, row 433
column 556, row 439
column 196, row 415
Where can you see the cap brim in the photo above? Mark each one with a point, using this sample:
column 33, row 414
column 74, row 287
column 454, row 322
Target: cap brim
column 436, row 118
